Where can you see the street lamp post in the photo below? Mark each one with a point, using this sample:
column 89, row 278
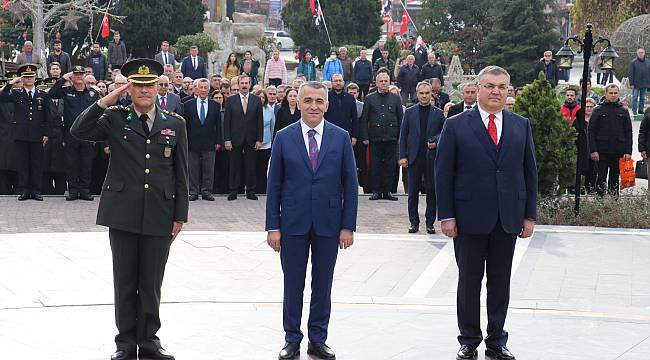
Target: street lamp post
column 566, row 55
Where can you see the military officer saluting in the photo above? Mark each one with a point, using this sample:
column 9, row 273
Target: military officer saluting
column 29, row 130
column 144, row 200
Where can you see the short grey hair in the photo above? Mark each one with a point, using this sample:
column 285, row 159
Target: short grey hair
column 201, row 80
column 493, row 70
column 167, row 66
column 465, row 85
column 343, row 48
column 163, row 78
column 313, row 85
column 421, row 84
column 435, row 80
column 410, row 57
column 337, row 75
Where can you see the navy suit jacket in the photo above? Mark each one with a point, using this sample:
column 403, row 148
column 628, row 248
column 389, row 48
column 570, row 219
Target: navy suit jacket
column 188, row 70
column 343, row 113
column 410, row 139
column 299, row 198
column 202, row 137
column 478, row 183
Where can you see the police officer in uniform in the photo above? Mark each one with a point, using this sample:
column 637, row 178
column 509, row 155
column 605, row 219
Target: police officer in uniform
column 54, row 163
column 144, row 200
column 29, row 131
column 79, row 154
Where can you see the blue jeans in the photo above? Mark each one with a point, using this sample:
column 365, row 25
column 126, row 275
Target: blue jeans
column 636, row 94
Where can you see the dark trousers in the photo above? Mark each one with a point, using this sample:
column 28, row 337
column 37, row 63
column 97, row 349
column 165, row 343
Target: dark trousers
column 262, row 169
column 275, row 82
column 249, row 155
column 364, row 89
column 79, row 157
column 138, row 269
column 201, row 169
column 221, row 165
column 53, row 183
column 363, row 171
column 293, row 255
column 29, row 165
column 608, row 163
column 7, row 182
column 383, row 158
column 423, row 167
column 475, row 255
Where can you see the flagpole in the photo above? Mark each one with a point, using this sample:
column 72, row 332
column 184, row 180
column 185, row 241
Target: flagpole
column 409, row 15
column 322, row 15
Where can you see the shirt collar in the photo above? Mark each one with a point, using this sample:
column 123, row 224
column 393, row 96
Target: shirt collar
column 485, row 114
column 242, row 96
column 151, row 114
column 319, row 128
column 465, row 105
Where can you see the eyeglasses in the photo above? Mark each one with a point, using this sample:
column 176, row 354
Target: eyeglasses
column 491, row 87
column 589, row 106
column 163, row 84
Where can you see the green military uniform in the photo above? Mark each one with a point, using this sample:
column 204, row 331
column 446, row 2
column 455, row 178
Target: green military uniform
column 145, row 191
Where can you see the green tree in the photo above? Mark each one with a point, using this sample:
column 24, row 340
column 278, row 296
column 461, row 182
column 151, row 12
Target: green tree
column 149, row 22
column 521, row 33
column 554, row 141
column 606, row 15
column 349, row 22
column 203, row 41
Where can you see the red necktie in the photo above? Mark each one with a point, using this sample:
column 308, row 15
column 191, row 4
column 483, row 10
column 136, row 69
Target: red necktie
column 162, row 103
column 492, row 129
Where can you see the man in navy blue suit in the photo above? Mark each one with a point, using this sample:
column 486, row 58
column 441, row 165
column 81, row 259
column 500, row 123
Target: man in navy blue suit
column 486, row 181
column 419, row 135
column 193, row 66
column 311, row 203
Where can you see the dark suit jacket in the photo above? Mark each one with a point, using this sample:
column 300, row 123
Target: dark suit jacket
column 342, row 112
column 410, row 140
column 456, row 109
column 132, row 199
column 202, row 137
column 172, row 103
column 478, row 182
column 243, row 129
column 170, row 59
column 31, row 119
column 300, row 198
column 188, row 70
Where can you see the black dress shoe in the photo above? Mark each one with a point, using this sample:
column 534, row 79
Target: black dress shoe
column 499, row 353
column 72, row 197
column 86, row 197
column 158, row 354
column 123, row 355
column 321, row 351
column 207, row 196
column 431, row 229
column 251, row 196
column 23, row 197
column 232, row 196
column 37, row 196
column 391, row 197
column 289, row 351
column 413, row 229
column 375, row 196
column 193, row 197
column 467, row 352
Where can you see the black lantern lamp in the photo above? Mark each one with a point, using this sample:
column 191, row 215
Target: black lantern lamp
column 566, row 55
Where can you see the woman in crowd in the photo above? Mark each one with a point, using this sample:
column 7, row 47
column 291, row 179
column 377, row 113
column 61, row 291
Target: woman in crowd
column 231, row 67
column 289, row 112
column 250, row 67
column 588, row 166
column 102, row 88
column 307, row 67
column 264, row 153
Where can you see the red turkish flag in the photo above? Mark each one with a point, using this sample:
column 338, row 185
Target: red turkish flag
column 105, row 27
column 5, row 4
column 312, row 6
column 392, row 29
column 405, row 22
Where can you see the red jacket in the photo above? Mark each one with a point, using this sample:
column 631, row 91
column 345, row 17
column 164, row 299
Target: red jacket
column 570, row 114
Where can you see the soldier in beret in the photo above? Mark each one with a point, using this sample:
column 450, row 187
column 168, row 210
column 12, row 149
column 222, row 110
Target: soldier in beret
column 144, row 200
column 29, row 131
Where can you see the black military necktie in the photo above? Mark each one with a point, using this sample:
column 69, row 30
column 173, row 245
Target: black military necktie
column 145, row 126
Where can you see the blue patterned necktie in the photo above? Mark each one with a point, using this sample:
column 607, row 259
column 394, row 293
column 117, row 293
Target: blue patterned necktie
column 313, row 148
column 202, row 115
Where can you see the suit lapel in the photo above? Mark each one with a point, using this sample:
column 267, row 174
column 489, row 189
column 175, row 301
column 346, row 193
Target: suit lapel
column 324, row 143
column 300, row 142
column 507, row 133
column 476, row 123
column 159, row 122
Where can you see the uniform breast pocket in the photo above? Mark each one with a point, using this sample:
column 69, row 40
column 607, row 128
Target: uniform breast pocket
column 168, row 144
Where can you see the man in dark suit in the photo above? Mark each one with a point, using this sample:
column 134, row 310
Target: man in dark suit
column 193, row 66
column 164, row 57
column 419, row 137
column 143, row 203
column 311, row 203
column 29, row 131
column 486, row 181
column 243, row 126
column 167, row 100
column 203, row 118
column 342, row 109
column 468, row 92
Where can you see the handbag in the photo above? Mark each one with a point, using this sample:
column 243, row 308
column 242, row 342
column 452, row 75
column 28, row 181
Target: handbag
column 626, row 168
column 641, row 169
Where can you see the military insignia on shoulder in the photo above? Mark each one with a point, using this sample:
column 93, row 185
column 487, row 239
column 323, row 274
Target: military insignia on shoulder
column 170, row 113
column 118, row 107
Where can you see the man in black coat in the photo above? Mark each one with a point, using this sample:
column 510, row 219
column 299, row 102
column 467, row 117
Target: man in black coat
column 203, row 118
column 54, row 164
column 243, row 135
column 79, row 154
column 469, row 93
column 362, row 73
column 432, row 70
column 342, row 109
column 144, row 201
column 549, row 67
column 440, row 97
column 7, row 173
column 29, row 131
column 610, row 138
column 407, row 80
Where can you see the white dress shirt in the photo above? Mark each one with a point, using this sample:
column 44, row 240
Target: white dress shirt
column 242, row 97
column 498, row 120
column 198, row 106
column 165, row 58
column 465, row 105
column 30, row 92
column 318, row 136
